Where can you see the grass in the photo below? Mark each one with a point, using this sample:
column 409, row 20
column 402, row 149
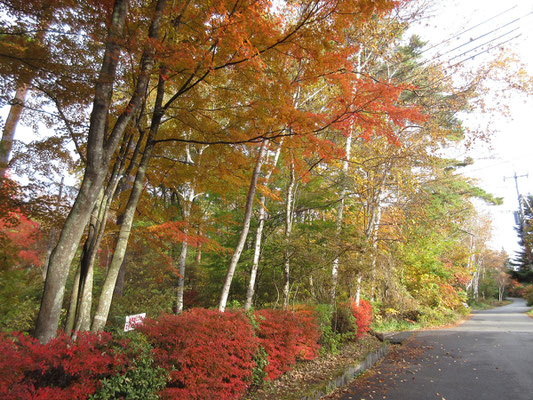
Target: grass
column 427, row 319
column 394, row 325
column 488, row 304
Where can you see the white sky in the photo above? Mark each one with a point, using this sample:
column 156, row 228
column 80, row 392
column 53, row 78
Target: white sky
column 511, row 147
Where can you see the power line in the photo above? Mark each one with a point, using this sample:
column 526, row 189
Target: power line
column 483, row 44
column 457, row 35
column 438, row 56
column 481, row 36
column 486, row 50
column 468, row 29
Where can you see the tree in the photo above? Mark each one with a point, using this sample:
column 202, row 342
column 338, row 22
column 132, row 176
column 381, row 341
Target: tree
column 524, row 258
column 100, row 147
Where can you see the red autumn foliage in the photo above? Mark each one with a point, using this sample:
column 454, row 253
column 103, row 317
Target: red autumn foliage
column 287, row 337
column 363, row 316
column 60, row 369
column 208, row 354
column 19, row 237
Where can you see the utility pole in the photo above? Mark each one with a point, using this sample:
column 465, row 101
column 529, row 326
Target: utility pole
column 522, row 218
column 515, row 177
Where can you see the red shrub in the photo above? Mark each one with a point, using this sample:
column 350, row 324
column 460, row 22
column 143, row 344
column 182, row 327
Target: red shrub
column 363, row 316
column 61, row 369
column 208, row 354
column 287, row 337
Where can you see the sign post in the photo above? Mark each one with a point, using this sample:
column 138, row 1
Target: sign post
column 133, row 320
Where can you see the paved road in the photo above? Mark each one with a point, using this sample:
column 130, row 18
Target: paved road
column 489, row 357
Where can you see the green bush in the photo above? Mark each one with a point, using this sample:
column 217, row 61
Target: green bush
column 141, row 381
column 436, row 316
column 259, row 373
column 20, row 291
column 330, row 340
column 343, row 320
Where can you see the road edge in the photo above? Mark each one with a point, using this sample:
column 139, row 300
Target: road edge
column 344, row 378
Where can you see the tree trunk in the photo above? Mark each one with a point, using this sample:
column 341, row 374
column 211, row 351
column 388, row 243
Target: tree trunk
column 375, row 232
column 371, row 231
column 8, row 133
column 53, row 234
column 183, row 254
column 83, row 317
column 97, row 227
column 257, row 253
column 119, row 286
column 198, row 256
column 288, row 230
column 340, row 213
column 244, row 232
column 358, row 291
column 475, row 285
column 17, row 106
column 63, row 254
column 106, row 296
column 90, row 248
column 71, row 315
column 100, row 147
column 258, row 238
column 189, row 197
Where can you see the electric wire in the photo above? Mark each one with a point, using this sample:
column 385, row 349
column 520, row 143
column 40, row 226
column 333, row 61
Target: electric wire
column 467, row 30
column 471, row 41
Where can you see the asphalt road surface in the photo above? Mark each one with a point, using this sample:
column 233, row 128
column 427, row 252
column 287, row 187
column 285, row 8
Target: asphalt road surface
column 489, row 357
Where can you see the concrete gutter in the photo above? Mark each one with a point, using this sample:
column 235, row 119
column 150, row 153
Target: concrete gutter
column 343, row 378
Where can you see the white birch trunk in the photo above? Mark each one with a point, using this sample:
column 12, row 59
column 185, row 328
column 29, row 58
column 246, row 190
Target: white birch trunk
column 8, row 133
column 189, row 197
column 358, row 291
column 244, row 232
column 288, row 230
column 183, row 254
column 257, row 253
column 340, row 213
column 375, row 232
column 258, row 238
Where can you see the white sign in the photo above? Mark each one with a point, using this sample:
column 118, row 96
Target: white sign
column 133, row 320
